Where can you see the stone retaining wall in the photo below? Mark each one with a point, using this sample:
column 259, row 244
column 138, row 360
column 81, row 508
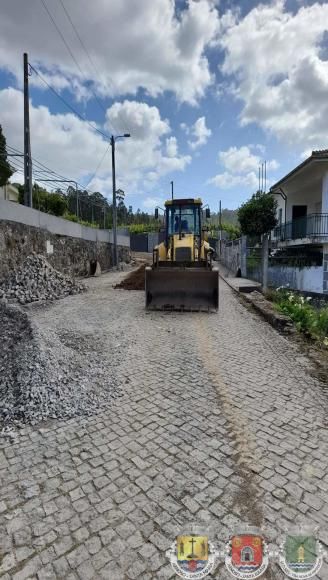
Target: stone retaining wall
column 70, row 255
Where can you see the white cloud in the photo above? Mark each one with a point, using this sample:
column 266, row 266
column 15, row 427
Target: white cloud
column 241, row 167
column 228, row 180
column 69, row 146
column 132, row 44
column 242, row 160
column 151, row 202
column 275, row 61
column 200, row 133
column 171, row 147
column 146, row 150
column 63, row 142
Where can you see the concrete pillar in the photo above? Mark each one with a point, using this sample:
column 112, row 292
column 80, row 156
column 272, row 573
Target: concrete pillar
column 325, row 268
column 243, row 254
column 324, row 206
column 265, row 261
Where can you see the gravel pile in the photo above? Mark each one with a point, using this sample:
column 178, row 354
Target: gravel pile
column 45, row 375
column 35, row 280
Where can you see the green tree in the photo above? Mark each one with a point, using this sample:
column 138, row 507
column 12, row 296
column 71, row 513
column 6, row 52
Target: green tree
column 257, row 216
column 5, row 169
column 43, row 200
column 57, row 204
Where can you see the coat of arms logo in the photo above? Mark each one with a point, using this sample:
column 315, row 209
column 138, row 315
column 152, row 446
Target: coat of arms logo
column 300, row 556
column 192, row 556
column 247, row 556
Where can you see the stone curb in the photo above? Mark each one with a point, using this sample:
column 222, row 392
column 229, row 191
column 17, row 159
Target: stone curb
column 265, row 309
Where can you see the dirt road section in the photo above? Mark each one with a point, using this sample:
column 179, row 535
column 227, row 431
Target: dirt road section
column 220, row 423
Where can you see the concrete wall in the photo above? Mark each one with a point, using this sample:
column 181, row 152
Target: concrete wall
column 305, row 279
column 55, row 225
column 69, row 247
column 233, row 255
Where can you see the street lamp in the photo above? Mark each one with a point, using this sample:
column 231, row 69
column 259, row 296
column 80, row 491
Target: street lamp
column 112, row 142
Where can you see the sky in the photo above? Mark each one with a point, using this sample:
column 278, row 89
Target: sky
column 208, row 90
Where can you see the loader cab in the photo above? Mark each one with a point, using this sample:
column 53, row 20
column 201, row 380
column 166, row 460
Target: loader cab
column 183, row 217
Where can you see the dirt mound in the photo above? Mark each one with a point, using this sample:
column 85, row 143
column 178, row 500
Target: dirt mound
column 134, row 281
column 35, row 280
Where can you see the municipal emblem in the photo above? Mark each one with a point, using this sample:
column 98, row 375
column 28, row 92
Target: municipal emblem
column 247, row 556
column 300, row 556
column 192, row 556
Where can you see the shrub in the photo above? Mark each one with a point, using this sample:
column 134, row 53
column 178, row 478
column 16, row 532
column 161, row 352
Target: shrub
column 57, row 204
column 311, row 321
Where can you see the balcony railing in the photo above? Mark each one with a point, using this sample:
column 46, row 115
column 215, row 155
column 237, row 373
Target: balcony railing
column 314, row 225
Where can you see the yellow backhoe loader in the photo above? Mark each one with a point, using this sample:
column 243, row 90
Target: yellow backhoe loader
column 182, row 276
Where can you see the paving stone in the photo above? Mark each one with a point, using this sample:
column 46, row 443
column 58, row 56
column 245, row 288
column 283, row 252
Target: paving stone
column 136, row 570
column 30, row 569
column 160, row 541
column 61, row 567
column 7, row 563
column 23, row 553
column 93, row 545
column 77, row 556
column 63, row 545
column 81, row 534
column 86, row 571
column 47, row 573
column 101, row 559
column 312, row 501
column 216, row 407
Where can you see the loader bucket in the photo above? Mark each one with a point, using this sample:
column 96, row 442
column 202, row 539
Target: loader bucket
column 182, row 289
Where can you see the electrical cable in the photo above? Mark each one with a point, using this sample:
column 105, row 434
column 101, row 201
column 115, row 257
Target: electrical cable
column 70, row 52
column 107, row 137
column 81, row 42
column 98, row 166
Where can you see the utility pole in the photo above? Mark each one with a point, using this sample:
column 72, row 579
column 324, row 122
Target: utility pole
column 220, row 229
column 172, row 190
column 27, row 142
column 112, row 142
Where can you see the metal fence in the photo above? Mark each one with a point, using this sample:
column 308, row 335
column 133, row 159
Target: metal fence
column 310, row 226
column 146, row 242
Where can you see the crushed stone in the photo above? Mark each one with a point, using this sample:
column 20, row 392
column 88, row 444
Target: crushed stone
column 47, row 375
column 36, row 280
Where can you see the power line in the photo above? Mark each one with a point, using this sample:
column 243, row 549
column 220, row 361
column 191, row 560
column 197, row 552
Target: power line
column 70, row 51
column 69, row 106
column 43, row 170
column 91, row 61
column 98, row 166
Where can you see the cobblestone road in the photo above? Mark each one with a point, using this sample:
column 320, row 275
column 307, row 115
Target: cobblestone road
column 220, row 423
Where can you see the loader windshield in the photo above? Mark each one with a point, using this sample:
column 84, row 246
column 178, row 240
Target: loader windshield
column 184, row 219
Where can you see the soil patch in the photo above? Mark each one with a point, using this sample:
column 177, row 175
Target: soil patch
column 134, row 281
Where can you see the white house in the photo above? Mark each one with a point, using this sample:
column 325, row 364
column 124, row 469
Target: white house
column 302, row 214
column 9, row 192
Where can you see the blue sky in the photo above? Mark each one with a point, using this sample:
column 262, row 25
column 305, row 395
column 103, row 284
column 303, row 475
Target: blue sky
column 208, row 90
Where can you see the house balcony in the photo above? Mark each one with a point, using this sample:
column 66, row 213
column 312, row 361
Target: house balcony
column 310, row 229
